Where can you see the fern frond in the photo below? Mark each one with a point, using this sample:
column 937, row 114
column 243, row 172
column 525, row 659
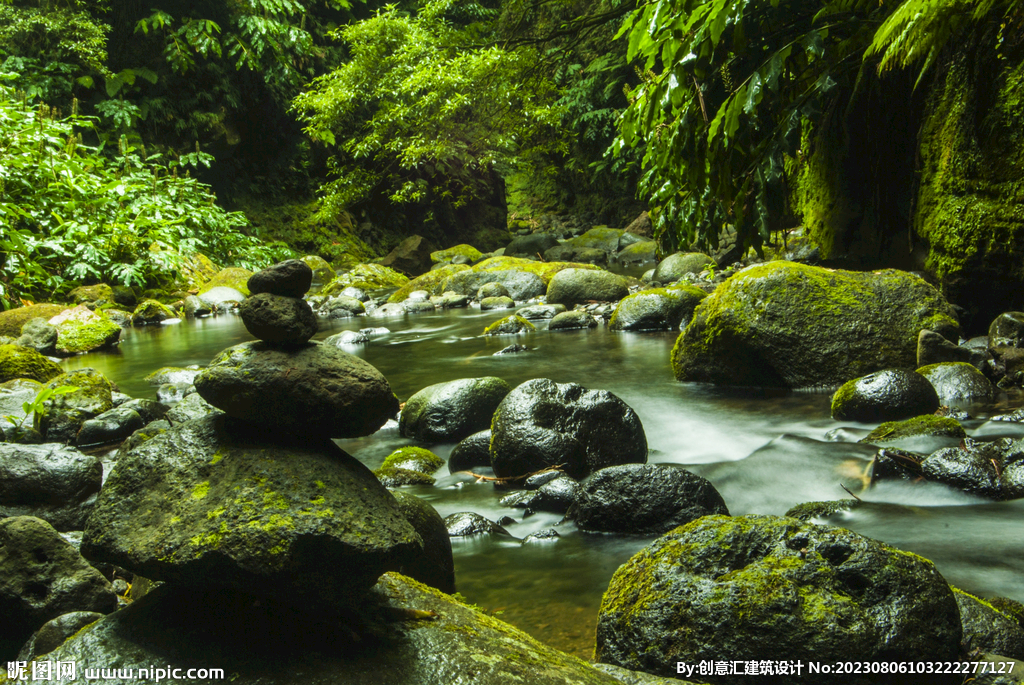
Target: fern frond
column 919, row 29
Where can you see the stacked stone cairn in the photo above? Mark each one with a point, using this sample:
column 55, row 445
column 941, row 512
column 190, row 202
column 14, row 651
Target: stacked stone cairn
column 259, row 500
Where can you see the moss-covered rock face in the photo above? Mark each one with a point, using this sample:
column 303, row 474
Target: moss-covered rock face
column 12, row 320
column 92, row 294
column 366, row 277
column 576, row 286
column 404, row 632
column 150, row 312
column 677, row 265
column 197, row 269
column 958, row 382
column 890, row 395
column 766, row 587
column 468, row 251
column 791, row 325
column 927, row 425
column 972, row 186
column 988, row 629
column 23, row 362
column 449, row 412
column 62, row 415
column 429, row 281
column 210, row 503
column 413, row 459
column 546, row 270
column 510, row 325
column 656, row 309
column 519, row 285
column 81, row 330
column 232, row 277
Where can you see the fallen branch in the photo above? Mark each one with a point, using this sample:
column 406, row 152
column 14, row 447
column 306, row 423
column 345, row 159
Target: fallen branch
column 850, row 492
column 512, row 479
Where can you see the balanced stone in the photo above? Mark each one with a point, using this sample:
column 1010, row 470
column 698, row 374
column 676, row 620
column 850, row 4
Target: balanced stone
column 214, row 503
column 312, row 389
column 279, row 319
column 291, row 278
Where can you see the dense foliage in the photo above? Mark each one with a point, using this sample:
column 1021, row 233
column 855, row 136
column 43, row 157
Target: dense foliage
column 69, row 213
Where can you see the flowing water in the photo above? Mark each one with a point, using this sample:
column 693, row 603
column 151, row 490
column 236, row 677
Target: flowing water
column 764, row 450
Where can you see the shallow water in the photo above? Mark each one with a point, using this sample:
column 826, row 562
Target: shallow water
column 765, row 450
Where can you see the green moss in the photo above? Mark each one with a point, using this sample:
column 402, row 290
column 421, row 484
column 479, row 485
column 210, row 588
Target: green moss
column 929, row 424
column 201, row 490
column 23, row 362
column 80, row 330
column 427, row 281
column 467, row 251
column 150, row 311
column 232, row 277
column 546, row 270
column 984, row 603
column 392, row 477
column 12, row 320
column 413, row 459
column 88, row 294
column 510, row 325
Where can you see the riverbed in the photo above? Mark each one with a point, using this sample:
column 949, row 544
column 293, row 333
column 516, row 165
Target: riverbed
column 765, row 450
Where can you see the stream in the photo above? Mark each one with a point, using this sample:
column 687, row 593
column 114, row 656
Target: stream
column 765, row 451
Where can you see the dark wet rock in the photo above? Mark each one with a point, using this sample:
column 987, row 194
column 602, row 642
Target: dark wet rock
column 556, row 496
column 151, row 312
column 42, row 577
column 342, row 307
column 195, row 306
column 471, row 452
column 987, row 629
column 192, row 406
column 569, row 321
column 531, row 246
column 55, row 632
column 958, row 382
column 149, row 410
column 82, row 330
column 643, row 499
column 677, row 265
column 405, row 632
column 17, row 361
column 279, row 320
column 544, row 535
column 519, row 285
column 820, row 510
column 927, row 425
column 411, row 256
column 541, row 311
column 39, row 335
column 510, row 325
column 521, row 499
column 147, row 432
column 291, row 278
column 109, row 427
column 889, row 395
column 656, row 309
column 171, row 393
column 628, row 677
column 436, row 567
column 63, row 414
column 763, row 325
column 447, row 412
column 55, row 483
column 511, row 349
column 994, row 470
column 932, row 348
column 173, row 374
column 492, row 289
column 1007, row 329
column 541, row 424
column 765, row 587
column 213, row 503
column 497, row 303
column 323, row 390
column 577, row 286
column 891, row 463
column 538, row 479
column 465, row 523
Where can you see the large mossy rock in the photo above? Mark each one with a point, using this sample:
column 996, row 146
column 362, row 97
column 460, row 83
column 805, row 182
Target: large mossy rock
column 542, row 424
column 577, row 286
column 405, row 633
column 366, row 277
column 449, row 412
column 308, row 389
column 24, row 362
column 82, row 330
column 233, row 277
column 988, row 629
column 765, row 587
column 656, row 309
column 55, row 483
column 214, row 503
column 62, row 415
column 519, row 285
column 150, row 312
column 789, row 325
column 546, row 270
column 12, row 320
column 430, row 281
column 679, row 264
column 470, row 253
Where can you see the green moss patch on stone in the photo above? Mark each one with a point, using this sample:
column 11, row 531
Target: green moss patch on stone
column 24, row 362
column 510, row 325
column 467, row 251
column 366, row 277
column 927, row 425
column 81, row 330
column 546, row 270
column 415, row 459
column 12, row 320
column 428, row 281
column 232, row 277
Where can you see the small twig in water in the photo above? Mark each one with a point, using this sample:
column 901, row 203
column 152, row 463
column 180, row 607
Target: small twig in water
column 510, row 479
column 850, row 492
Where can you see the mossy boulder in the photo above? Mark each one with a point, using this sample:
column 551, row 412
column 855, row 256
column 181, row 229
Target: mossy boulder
column 366, row 277
column 24, row 362
column 62, row 415
column 150, row 312
column 197, row 269
column 12, row 320
column 656, row 309
column 81, row 330
column 519, row 285
column 233, row 277
column 789, row 325
column 638, row 253
column 212, row 503
column 404, row 632
column 572, row 320
column 451, row 411
column 428, row 281
column 413, row 459
column 576, row 286
column 510, row 325
column 323, row 272
column 598, row 238
column 928, row 425
column 310, row 389
column 92, row 294
column 500, row 302
column 471, row 254
column 958, row 382
column 988, row 629
column 766, row 587
column 889, row 395
column 679, row 264
column 546, row 270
